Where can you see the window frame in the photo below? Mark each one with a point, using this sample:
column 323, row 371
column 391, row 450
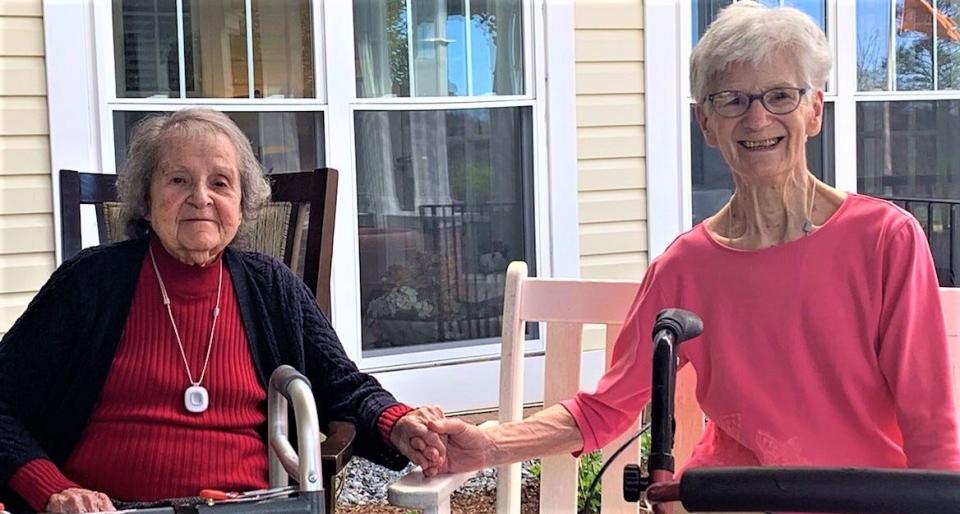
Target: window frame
column 82, row 99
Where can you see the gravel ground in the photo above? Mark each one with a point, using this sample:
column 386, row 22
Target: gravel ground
column 366, row 485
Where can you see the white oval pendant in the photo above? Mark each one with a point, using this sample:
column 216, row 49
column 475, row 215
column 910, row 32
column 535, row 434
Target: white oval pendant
column 196, row 399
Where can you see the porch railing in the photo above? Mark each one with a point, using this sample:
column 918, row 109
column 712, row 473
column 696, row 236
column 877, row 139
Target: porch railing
column 940, row 220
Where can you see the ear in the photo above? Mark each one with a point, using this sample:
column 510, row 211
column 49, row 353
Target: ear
column 704, row 122
column 816, row 120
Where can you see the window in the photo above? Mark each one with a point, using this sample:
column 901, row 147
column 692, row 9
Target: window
column 439, row 48
column 908, row 45
column 444, row 194
column 909, row 52
column 282, row 141
column 258, row 54
column 220, row 49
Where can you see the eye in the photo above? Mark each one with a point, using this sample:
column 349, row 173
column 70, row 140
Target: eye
column 176, row 179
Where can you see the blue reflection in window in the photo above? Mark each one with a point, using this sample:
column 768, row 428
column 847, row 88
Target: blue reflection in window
column 705, row 11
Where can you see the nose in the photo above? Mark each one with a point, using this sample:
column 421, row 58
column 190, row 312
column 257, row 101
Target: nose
column 199, row 194
column 757, row 116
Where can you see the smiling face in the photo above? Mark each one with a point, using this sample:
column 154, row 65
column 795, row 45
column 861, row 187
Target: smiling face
column 759, row 146
column 195, row 197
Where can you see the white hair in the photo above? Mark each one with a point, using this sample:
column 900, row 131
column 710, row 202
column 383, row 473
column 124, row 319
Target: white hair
column 749, row 33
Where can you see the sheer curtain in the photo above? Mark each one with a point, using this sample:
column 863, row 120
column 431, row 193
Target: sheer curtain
column 377, row 192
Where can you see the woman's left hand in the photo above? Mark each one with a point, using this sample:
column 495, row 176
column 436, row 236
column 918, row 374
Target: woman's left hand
column 417, row 442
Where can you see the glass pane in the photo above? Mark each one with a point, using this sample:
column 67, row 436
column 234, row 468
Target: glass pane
column 873, row 45
column 908, row 150
column 445, row 203
column 496, row 57
column 145, row 49
column 948, row 44
column 215, row 53
column 914, row 45
column 705, row 11
column 282, row 48
column 282, row 141
column 434, row 51
column 710, row 175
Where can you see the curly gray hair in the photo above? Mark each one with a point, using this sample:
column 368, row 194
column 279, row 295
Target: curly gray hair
column 146, row 145
column 747, row 32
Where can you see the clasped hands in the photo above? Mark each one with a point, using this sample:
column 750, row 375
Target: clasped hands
column 439, row 444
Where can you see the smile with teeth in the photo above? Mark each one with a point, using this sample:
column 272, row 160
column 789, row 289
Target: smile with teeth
column 764, row 143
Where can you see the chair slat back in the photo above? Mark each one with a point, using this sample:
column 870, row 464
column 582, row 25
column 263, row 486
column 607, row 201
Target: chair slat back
column 306, row 200
column 566, row 305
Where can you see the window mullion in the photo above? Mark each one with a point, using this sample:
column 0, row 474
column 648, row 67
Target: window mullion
column 410, row 67
column 248, row 12
column 181, row 51
column 845, row 107
column 892, row 52
column 933, row 46
column 468, row 43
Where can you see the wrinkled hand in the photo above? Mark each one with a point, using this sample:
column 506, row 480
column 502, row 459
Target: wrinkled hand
column 469, row 448
column 75, row 499
column 417, row 442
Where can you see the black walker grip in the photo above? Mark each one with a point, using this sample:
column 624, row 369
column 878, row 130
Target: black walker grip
column 285, row 375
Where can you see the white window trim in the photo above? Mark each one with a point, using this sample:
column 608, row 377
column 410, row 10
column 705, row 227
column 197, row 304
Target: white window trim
column 81, row 96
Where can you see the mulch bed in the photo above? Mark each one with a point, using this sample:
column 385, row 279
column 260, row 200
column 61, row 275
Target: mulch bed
column 482, row 503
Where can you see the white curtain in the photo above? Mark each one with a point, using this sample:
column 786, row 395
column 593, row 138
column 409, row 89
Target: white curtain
column 375, row 166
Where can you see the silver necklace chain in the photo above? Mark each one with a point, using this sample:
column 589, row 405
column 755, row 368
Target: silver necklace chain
column 176, row 333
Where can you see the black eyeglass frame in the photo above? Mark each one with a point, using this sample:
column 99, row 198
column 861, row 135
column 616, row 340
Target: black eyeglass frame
column 759, row 96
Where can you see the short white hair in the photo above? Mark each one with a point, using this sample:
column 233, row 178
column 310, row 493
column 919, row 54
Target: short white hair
column 749, row 33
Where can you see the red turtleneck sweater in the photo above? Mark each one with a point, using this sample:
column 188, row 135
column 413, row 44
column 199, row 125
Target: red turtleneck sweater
column 141, row 443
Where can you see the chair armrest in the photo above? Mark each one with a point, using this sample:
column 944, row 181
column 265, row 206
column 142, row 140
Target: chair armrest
column 338, row 447
column 432, row 495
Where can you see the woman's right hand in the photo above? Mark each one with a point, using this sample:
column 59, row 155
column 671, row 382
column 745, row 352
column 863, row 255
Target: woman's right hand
column 70, row 501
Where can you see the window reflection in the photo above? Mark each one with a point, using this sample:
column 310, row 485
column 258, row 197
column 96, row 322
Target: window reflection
column 444, row 199
column 440, row 48
column 145, row 49
column 907, row 151
column 282, row 141
column 925, row 54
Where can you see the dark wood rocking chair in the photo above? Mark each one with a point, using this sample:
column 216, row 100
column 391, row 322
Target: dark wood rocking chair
column 296, row 227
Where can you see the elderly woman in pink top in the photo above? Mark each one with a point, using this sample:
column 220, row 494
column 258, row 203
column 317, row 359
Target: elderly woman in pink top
column 824, row 342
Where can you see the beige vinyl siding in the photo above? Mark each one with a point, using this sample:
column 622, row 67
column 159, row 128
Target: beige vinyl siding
column 610, row 138
column 26, row 197
column 610, row 143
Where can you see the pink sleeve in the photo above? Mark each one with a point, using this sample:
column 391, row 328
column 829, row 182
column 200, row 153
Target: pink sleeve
column 913, row 351
column 624, row 389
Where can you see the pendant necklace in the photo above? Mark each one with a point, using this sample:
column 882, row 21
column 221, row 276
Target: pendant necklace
column 196, row 399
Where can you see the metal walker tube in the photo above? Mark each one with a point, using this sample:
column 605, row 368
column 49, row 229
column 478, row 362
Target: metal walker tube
column 288, row 385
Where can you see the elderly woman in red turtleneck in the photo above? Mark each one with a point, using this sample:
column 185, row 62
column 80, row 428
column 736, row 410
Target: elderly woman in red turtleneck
column 139, row 371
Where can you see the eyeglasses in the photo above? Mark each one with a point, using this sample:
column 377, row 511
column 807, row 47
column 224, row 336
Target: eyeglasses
column 779, row 100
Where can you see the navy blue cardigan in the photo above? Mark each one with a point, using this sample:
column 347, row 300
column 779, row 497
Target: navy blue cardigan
column 55, row 359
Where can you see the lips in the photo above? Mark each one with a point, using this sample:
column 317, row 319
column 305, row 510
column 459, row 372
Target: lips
column 760, row 144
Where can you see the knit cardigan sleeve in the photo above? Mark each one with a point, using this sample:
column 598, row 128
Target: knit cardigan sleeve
column 342, row 391
column 32, row 353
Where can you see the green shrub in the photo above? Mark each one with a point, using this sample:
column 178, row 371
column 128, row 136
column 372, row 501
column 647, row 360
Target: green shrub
column 589, row 466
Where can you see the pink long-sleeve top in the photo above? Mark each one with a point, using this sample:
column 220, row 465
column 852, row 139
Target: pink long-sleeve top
column 829, row 350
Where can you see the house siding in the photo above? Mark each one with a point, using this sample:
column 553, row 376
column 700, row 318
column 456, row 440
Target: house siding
column 26, row 197
column 610, row 138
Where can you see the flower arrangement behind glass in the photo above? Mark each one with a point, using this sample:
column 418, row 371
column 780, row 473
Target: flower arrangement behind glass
column 410, row 301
